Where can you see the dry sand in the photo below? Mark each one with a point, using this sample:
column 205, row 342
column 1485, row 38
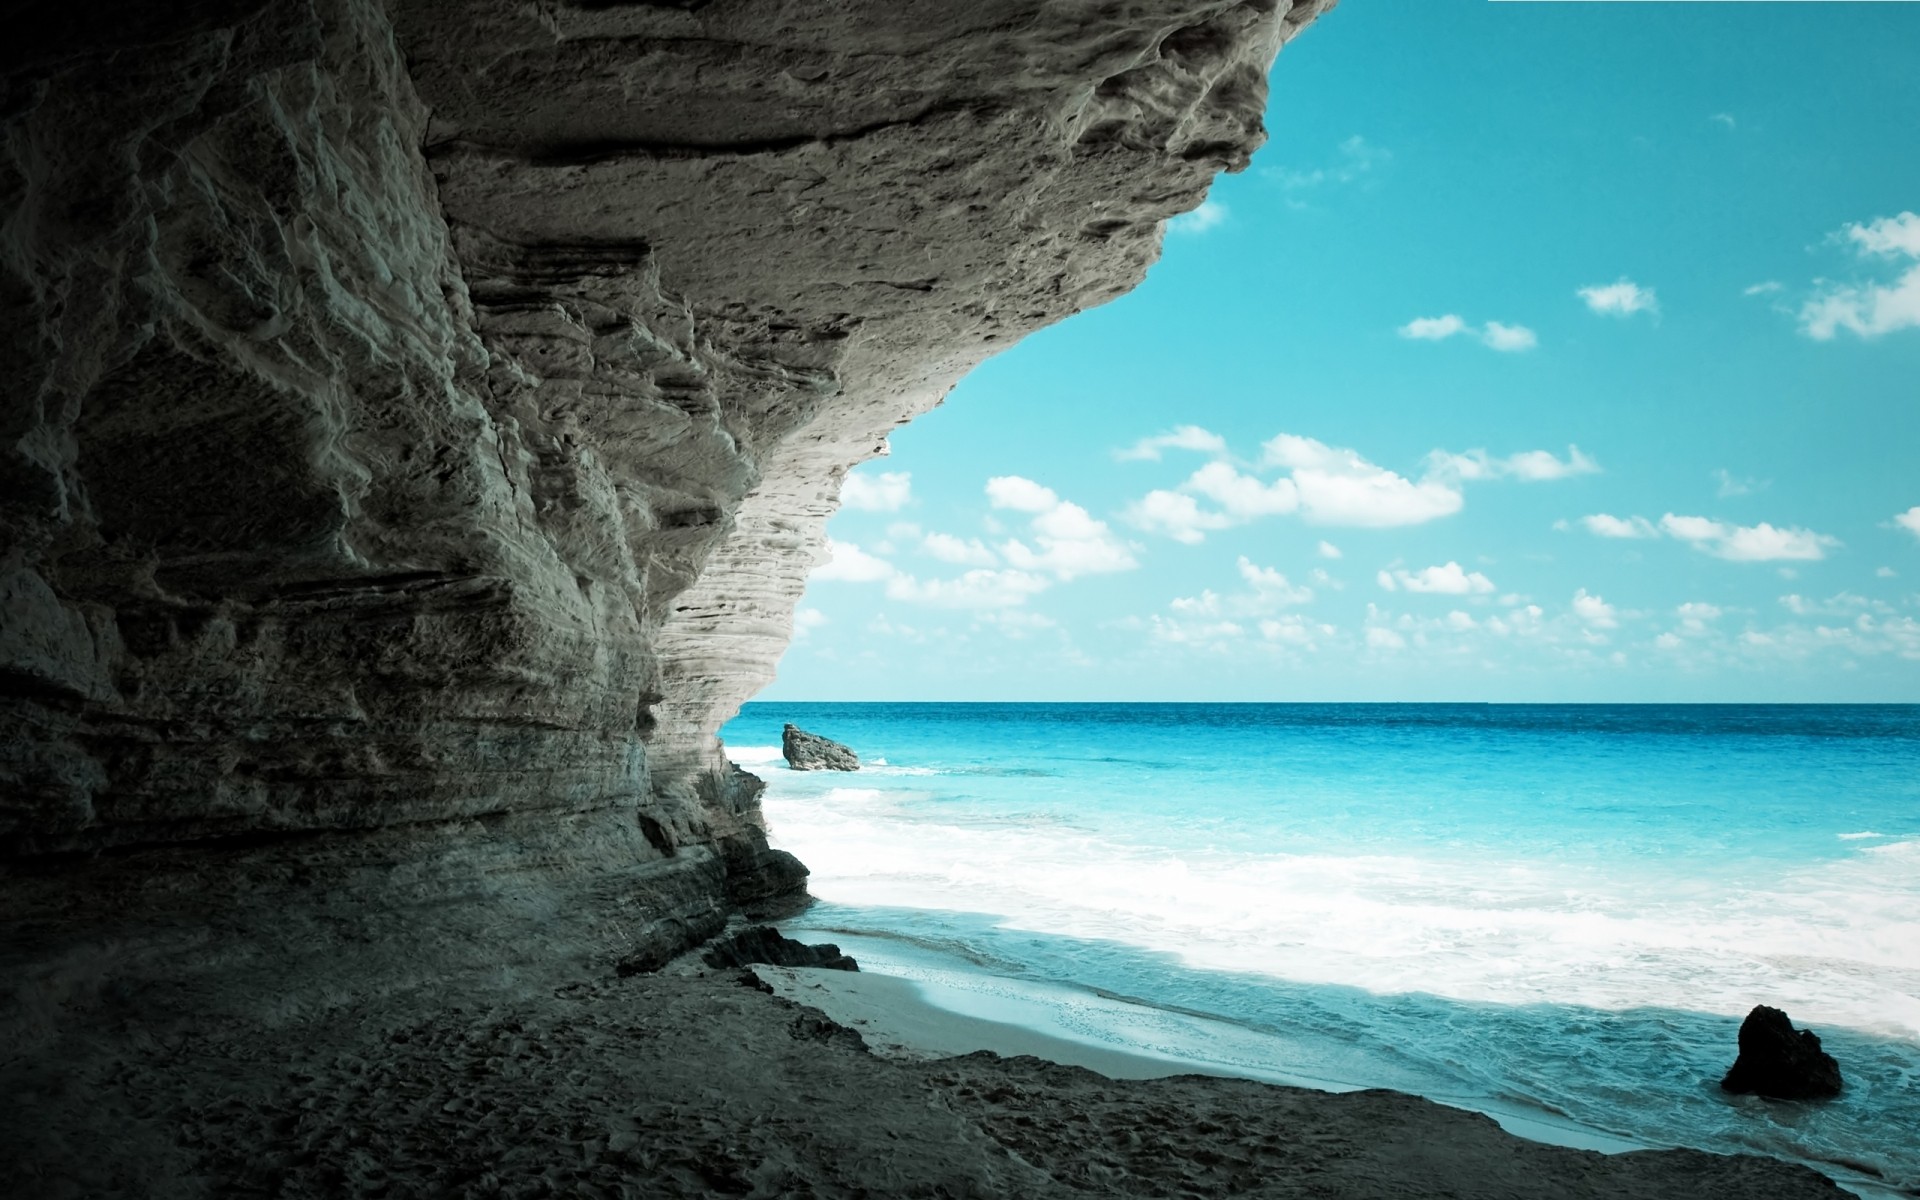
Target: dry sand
column 703, row 1084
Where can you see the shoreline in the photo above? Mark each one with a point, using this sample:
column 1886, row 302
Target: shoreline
column 906, row 1019
column 923, row 1017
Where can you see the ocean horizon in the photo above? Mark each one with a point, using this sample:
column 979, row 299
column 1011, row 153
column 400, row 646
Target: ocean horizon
column 1553, row 913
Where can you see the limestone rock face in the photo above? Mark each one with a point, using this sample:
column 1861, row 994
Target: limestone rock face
column 421, row 417
column 810, row 752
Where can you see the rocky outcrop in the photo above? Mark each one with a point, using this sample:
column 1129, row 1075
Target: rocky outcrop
column 1780, row 1062
column 810, row 752
column 765, row 944
column 421, row 417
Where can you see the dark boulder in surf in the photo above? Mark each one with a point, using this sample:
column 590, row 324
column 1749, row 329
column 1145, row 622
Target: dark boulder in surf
column 810, row 752
column 1780, row 1062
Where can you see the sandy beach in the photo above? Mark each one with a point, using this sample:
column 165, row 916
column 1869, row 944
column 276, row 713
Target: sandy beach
column 767, row 1083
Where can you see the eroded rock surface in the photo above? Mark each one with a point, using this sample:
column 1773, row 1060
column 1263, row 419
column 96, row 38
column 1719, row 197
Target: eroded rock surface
column 810, row 752
column 420, row 419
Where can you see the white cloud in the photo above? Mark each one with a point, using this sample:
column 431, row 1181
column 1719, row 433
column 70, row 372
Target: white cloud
column 1176, row 515
column 1871, row 309
column 806, row 620
column 1449, row 580
column 886, row 492
column 1909, row 520
column 1725, row 119
column 1339, row 487
column 1244, row 497
column 1020, row 494
column 1886, row 573
column 1180, row 437
column 1495, row 335
column 1608, row 526
column 1748, row 543
column 1433, row 329
column 1528, row 466
column 1067, row 540
column 1594, row 610
column 1508, row 338
column 970, row 552
column 1270, row 586
column 1730, row 485
column 1621, row 298
column 1696, row 616
column 1357, row 157
column 1379, row 638
column 1210, row 214
column 974, row 589
column 1764, row 288
column 848, row 562
column 1329, row 485
column 1888, row 237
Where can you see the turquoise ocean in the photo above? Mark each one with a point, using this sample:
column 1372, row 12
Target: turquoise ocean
column 1556, row 915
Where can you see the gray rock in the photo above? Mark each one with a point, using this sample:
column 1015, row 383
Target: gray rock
column 421, row 417
column 765, row 944
column 810, row 752
column 1781, row 1062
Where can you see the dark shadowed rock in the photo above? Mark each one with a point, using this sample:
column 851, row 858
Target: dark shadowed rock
column 811, row 752
column 1780, row 1062
column 765, row 944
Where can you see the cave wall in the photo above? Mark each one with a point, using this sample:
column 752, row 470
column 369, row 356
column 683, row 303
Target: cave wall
column 421, row 417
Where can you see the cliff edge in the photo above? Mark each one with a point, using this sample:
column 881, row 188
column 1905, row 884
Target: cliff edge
column 421, row 419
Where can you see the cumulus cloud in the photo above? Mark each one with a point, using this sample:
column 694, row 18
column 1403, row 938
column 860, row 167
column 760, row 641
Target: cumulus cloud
column 980, row 589
column 1508, row 338
column 887, row 492
column 1608, row 526
column 1339, row 487
column 1270, row 587
column 1764, row 288
column 806, row 620
column 1722, row 539
column 1381, row 638
column 1748, row 543
column 968, row 552
column 1067, row 540
column 1433, row 329
column 1020, row 494
column 1622, row 298
column 1528, row 466
column 1494, row 334
column 1244, row 497
column 1909, row 520
column 1329, row 485
column 846, row 561
column 1175, row 514
column 1209, row 215
column 1594, row 610
column 1180, row 437
column 1449, row 580
column 1869, row 310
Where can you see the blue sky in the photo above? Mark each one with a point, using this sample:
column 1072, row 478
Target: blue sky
column 1547, row 352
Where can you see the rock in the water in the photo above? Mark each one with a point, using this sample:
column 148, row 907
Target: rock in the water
column 1780, row 1062
column 765, row 944
column 811, row 752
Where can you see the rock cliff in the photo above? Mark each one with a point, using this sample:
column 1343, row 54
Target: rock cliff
column 420, row 420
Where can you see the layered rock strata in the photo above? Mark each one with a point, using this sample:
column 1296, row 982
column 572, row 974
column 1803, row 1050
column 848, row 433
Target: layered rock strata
column 421, row 418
